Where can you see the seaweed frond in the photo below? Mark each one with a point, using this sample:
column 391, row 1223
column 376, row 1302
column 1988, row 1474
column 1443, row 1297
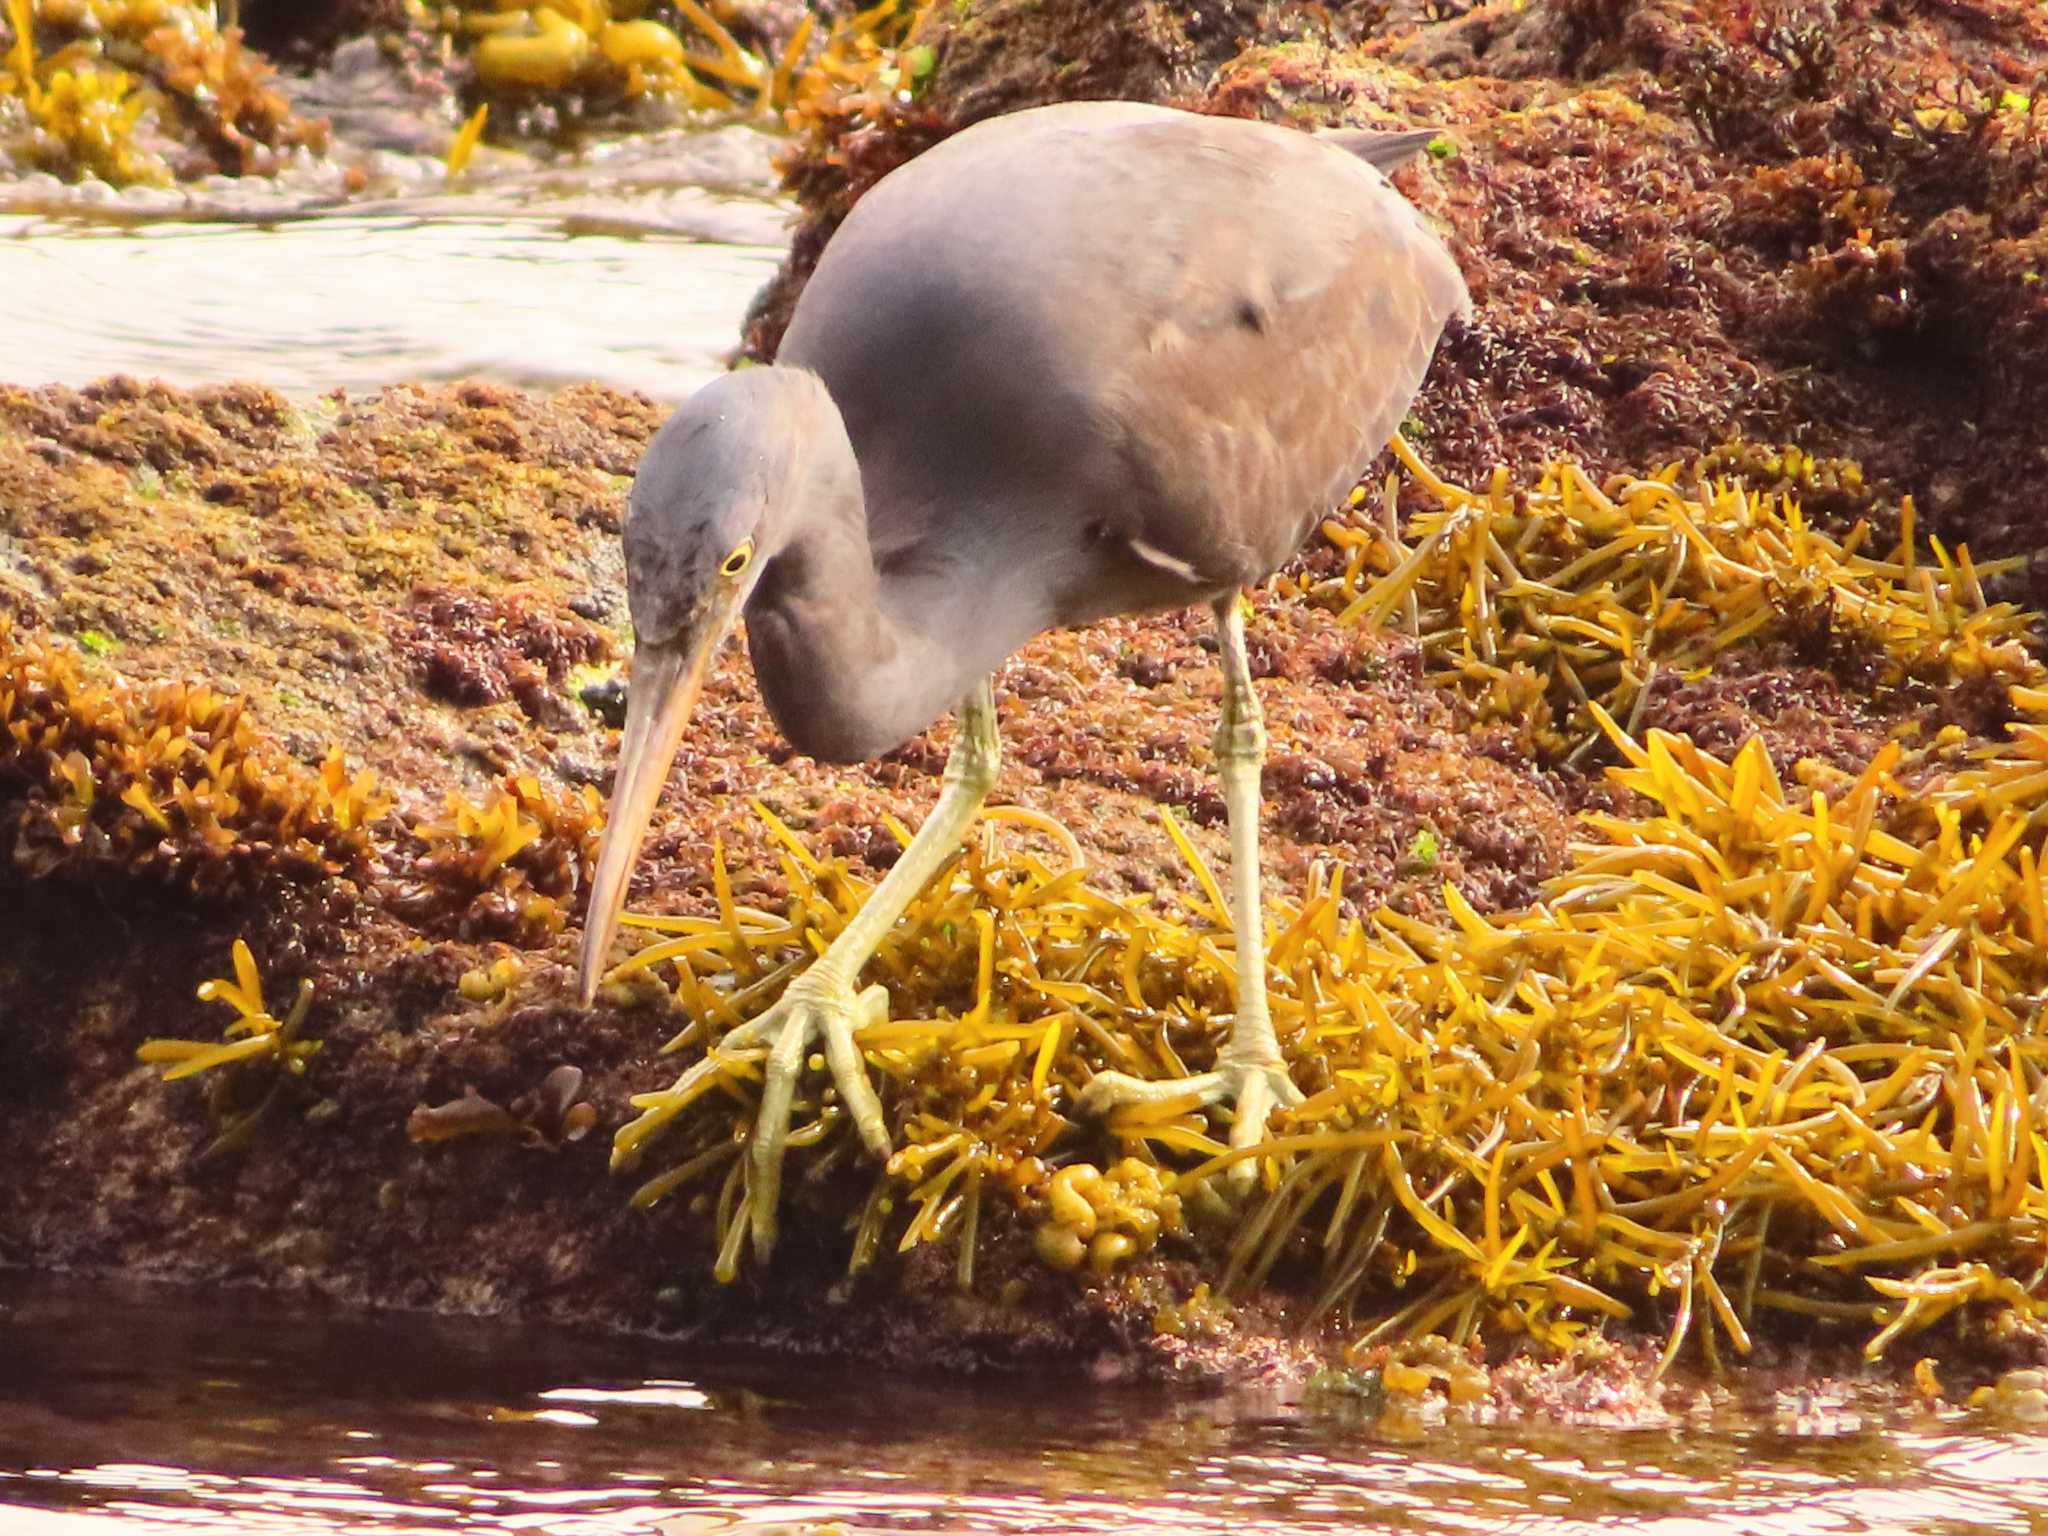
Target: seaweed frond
column 173, row 779
column 504, row 868
column 256, row 1059
column 1537, row 603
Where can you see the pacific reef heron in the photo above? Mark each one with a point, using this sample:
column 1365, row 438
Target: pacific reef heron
column 1089, row 359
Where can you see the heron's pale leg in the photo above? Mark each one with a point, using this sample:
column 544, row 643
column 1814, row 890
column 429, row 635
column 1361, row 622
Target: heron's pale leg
column 1240, row 755
column 1250, row 1071
column 822, row 1004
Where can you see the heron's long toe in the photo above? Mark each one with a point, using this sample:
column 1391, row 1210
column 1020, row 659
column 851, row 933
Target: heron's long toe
column 1256, row 1087
column 818, row 1007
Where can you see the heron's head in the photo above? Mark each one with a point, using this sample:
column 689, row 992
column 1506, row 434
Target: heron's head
column 723, row 488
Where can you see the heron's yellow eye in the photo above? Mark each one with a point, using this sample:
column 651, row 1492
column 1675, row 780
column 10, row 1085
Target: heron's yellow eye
column 738, row 560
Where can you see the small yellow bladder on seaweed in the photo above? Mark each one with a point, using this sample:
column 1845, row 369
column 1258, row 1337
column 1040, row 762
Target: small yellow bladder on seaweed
column 548, row 58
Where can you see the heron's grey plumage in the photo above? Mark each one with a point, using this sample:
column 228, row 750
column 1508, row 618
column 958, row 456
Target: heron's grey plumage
column 1083, row 351
column 1090, row 359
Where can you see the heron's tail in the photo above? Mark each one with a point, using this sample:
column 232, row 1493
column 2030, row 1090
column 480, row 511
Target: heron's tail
column 1382, row 150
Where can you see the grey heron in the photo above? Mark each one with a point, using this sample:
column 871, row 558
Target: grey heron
column 1089, row 359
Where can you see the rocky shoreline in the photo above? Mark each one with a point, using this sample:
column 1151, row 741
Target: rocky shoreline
column 340, row 682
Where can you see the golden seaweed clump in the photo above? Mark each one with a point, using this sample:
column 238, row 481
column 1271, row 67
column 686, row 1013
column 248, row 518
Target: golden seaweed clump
column 506, row 868
column 173, row 780
column 1763, row 1049
column 141, row 91
column 683, row 51
column 1537, row 603
column 1756, row 1051
column 858, row 108
column 1013, row 981
column 1104, row 1217
column 867, row 63
column 680, row 52
column 259, row 1058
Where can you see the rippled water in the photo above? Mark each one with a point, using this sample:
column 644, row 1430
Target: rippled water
column 132, row 1411
column 630, row 264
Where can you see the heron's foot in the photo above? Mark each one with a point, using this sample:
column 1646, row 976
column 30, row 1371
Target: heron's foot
column 820, row 1007
column 1256, row 1085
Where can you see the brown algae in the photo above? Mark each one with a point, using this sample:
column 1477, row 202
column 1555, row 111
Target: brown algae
column 504, row 868
column 171, row 780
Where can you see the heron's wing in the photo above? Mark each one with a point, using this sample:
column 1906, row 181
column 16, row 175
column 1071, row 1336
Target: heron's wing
column 1261, row 381
column 1084, row 349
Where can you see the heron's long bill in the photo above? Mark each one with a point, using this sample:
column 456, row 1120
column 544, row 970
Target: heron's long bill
column 667, row 677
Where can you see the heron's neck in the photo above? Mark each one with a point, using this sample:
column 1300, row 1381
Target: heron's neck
column 853, row 661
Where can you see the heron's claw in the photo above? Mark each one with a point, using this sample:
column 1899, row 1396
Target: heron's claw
column 818, row 1006
column 1255, row 1085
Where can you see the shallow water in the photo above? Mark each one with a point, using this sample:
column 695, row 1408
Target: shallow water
column 629, row 264
column 131, row 1411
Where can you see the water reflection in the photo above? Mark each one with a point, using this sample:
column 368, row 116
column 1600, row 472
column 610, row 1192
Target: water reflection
column 359, row 301
column 131, row 1412
column 630, row 262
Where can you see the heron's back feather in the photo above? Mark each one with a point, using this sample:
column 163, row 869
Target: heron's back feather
column 1078, row 332
column 1378, row 148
